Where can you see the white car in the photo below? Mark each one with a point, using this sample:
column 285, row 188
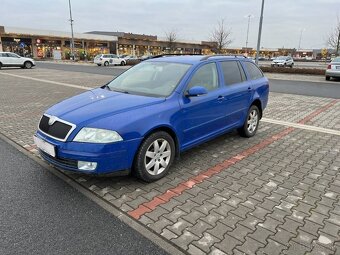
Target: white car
column 283, row 61
column 10, row 59
column 333, row 69
column 109, row 59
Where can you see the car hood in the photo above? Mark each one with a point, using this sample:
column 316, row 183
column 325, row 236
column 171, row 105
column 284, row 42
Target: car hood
column 99, row 103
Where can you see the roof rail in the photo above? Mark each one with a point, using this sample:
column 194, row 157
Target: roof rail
column 174, row 54
column 222, row 55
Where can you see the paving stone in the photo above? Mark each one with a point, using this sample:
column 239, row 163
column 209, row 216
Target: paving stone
column 304, row 238
column 250, row 246
column 195, row 251
column 177, row 227
column 282, row 236
column 160, row 224
column 311, row 228
column 270, row 224
column 228, row 244
column 272, row 248
column 168, row 234
column 193, row 216
column 206, row 242
column 199, row 228
column 185, row 239
column 231, row 220
column 172, row 216
column 215, row 251
column 155, row 214
column 261, row 234
column 240, row 232
column 219, row 230
column 296, row 249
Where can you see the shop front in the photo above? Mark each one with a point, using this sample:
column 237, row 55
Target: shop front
column 19, row 45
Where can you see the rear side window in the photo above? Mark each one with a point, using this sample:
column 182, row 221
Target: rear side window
column 232, row 72
column 254, row 72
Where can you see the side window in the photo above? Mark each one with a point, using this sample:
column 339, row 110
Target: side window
column 254, row 72
column 232, row 73
column 206, row 76
column 113, row 56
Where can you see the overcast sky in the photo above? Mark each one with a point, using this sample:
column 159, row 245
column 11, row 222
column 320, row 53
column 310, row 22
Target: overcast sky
column 192, row 19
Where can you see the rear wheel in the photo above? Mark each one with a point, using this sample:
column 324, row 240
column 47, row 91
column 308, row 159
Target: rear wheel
column 122, row 63
column 28, row 65
column 106, row 63
column 154, row 157
column 0, row 65
column 99, row 64
column 251, row 123
column 328, row 78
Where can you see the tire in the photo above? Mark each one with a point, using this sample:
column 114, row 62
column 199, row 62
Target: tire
column 328, row 78
column 122, row 63
column 291, row 66
column 106, row 63
column 0, row 65
column 99, row 64
column 246, row 130
column 145, row 166
column 28, row 65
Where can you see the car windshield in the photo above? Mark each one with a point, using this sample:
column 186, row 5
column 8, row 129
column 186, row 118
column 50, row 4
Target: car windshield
column 98, row 56
column 150, row 78
column 281, row 58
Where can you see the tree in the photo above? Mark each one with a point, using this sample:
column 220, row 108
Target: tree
column 171, row 38
column 334, row 38
column 221, row 35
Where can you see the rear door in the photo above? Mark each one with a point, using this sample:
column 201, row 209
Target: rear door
column 14, row 59
column 237, row 91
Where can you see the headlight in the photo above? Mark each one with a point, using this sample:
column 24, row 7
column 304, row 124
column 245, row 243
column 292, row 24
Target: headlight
column 96, row 135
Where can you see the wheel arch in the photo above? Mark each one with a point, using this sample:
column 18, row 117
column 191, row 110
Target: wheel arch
column 168, row 130
column 257, row 102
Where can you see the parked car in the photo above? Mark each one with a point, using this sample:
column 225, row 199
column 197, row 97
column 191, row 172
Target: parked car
column 333, row 69
column 109, row 59
column 9, row 59
column 144, row 118
column 132, row 60
column 283, row 61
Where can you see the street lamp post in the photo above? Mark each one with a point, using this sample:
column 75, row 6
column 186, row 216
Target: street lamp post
column 259, row 35
column 249, row 17
column 72, row 39
column 300, row 38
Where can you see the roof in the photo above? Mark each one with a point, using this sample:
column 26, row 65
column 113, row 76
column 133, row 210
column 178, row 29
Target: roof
column 192, row 59
column 52, row 33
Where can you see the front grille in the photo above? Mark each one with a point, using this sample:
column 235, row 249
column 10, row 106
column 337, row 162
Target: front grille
column 57, row 129
column 60, row 161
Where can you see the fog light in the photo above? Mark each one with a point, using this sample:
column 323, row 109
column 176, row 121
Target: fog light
column 89, row 166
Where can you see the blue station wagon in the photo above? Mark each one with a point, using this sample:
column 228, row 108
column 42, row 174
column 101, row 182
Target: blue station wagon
column 141, row 120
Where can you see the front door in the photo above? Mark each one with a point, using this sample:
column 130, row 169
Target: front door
column 202, row 116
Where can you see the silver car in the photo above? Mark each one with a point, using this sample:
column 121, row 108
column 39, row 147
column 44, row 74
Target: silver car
column 333, row 69
column 283, row 61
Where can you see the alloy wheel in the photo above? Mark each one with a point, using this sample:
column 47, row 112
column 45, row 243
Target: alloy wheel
column 252, row 121
column 157, row 156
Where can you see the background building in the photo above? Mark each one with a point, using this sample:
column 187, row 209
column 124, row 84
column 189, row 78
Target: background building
column 44, row 44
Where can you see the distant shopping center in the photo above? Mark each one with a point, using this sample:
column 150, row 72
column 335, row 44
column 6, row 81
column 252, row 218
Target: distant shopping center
column 45, row 44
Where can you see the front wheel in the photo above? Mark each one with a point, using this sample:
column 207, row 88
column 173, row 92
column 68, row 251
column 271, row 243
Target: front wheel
column 106, row 63
column 154, row 157
column 99, row 64
column 328, row 78
column 251, row 123
column 28, row 65
column 122, row 63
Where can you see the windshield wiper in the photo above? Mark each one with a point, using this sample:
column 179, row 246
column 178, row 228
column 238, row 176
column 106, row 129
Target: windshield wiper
column 121, row 91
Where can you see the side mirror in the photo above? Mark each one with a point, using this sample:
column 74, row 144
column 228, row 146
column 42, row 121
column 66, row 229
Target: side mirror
column 196, row 91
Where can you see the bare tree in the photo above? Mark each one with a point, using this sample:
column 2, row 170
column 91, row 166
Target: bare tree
column 334, row 38
column 221, row 35
column 171, row 38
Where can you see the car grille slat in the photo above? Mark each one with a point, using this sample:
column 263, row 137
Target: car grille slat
column 58, row 129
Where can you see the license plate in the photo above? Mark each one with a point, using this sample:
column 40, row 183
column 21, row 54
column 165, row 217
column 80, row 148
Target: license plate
column 44, row 146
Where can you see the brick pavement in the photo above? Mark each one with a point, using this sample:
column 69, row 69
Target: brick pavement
column 282, row 198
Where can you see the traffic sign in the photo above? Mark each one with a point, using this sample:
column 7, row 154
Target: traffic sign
column 22, row 45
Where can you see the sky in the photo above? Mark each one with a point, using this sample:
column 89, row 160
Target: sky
column 191, row 19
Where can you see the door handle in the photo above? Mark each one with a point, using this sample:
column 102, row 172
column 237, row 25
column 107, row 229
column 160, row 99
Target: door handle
column 220, row 98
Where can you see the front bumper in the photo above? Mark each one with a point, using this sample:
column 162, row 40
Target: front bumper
column 110, row 158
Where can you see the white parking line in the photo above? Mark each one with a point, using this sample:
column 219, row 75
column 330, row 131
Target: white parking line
column 302, row 126
column 47, row 81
